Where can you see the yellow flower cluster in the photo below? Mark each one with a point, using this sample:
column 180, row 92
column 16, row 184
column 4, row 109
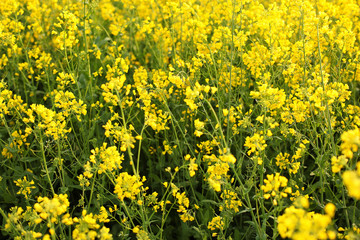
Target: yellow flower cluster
column 215, row 224
column 63, row 80
column 17, row 144
column 106, row 158
column 128, row 186
column 270, row 98
column 218, row 175
column 120, row 133
column 348, row 233
column 351, row 180
column 283, row 162
column 193, row 167
column 115, row 76
column 350, row 142
column 184, row 203
column 88, row 227
column 25, row 186
column 113, row 92
column 51, row 209
column 272, row 187
column 54, row 124
column 231, row 201
column 67, row 102
column 337, row 163
column 67, row 30
column 256, row 144
column 149, row 93
column 14, row 220
column 102, row 160
column 297, row 223
column 140, row 233
column 199, row 126
column 54, row 212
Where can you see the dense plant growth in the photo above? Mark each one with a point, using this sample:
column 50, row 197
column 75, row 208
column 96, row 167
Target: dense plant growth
column 196, row 119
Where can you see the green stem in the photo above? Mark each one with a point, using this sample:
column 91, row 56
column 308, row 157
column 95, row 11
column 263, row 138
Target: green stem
column 45, row 164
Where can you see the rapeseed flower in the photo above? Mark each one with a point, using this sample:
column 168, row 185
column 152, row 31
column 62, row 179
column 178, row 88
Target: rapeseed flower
column 298, row 223
column 272, row 187
column 350, row 142
column 351, row 180
column 25, row 186
column 128, row 186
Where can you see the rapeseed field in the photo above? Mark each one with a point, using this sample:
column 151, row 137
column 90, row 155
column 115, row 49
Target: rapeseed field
column 179, row 119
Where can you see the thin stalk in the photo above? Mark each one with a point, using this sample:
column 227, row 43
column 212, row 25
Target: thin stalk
column 45, row 164
column 230, row 67
column 327, row 115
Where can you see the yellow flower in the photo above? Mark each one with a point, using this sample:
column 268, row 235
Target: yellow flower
column 230, row 201
column 199, row 127
column 272, row 187
column 66, row 36
column 216, row 223
column 106, row 158
column 193, row 167
column 127, row 186
column 51, row 209
column 330, row 209
column 217, row 175
column 297, row 224
column 337, row 163
column 350, row 142
column 228, row 158
column 136, row 229
column 25, row 186
column 87, row 226
column 351, row 180
column 68, row 103
column 256, row 143
column 271, row 98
